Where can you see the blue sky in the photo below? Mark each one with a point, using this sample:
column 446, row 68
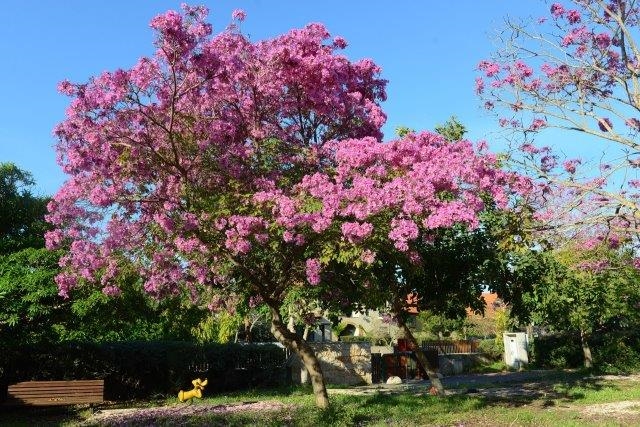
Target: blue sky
column 428, row 51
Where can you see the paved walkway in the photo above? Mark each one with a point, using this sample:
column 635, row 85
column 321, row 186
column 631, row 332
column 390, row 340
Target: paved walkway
column 458, row 383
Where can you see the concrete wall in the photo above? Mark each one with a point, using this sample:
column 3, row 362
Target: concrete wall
column 341, row 363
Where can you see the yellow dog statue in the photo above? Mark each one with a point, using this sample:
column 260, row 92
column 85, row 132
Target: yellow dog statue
column 198, row 386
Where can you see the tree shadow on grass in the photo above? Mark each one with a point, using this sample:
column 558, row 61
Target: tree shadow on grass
column 386, row 407
column 45, row 416
column 566, row 388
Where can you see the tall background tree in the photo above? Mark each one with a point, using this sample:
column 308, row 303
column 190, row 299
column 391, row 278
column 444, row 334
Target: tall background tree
column 31, row 311
column 574, row 75
column 22, row 223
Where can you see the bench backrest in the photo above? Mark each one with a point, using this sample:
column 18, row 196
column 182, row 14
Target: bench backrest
column 47, row 393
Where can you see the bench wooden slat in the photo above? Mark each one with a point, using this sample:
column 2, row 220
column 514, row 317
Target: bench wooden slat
column 58, row 393
column 44, row 387
column 45, row 393
column 73, row 387
column 57, row 383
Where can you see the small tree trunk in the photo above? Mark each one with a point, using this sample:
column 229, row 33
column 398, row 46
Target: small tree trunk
column 586, row 350
column 305, row 334
column 431, row 371
column 299, row 346
column 247, row 330
column 291, row 326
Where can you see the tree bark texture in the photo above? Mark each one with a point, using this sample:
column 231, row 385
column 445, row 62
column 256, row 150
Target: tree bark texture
column 586, row 350
column 300, row 347
column 431, row 371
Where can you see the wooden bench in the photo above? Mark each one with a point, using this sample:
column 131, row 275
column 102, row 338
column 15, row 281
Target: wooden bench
column 48, row 393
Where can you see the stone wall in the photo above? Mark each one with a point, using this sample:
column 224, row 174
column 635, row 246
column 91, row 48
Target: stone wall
column 342, row 363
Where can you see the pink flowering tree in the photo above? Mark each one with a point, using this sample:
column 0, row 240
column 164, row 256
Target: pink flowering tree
column 170, row 163
column 574, row 75
column 381, row 203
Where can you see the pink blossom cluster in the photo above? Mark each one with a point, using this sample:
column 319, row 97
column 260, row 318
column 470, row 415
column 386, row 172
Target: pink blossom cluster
column 419, row 183
column 152, row 151
column 313, row 271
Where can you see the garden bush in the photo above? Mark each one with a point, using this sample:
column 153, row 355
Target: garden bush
column 148, row 369
column 491, row 349
column 557, row 351
column 617, row 353
column 613, row 351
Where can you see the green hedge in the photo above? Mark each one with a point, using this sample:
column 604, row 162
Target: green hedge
column 612, row 352
column 491, row 349
column 147, row 369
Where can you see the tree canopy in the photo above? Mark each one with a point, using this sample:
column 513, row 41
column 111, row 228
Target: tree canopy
column 22, row 222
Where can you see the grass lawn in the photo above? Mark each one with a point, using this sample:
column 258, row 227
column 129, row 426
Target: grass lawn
column 560, row 399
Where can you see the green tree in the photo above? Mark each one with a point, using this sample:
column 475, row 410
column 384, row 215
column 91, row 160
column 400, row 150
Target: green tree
column 452, row 129
column 586, row 291
column 32, row 311
column 22, row 222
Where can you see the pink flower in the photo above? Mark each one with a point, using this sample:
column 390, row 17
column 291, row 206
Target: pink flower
column 523, row 69
column 339, row 42
column 355, row 232
column 605, row 124
column 111, row 290
column 368, row 256
column 490, row 68
column 548, row 162
column 537, row 124
column 529, row 148
column 239, row 15
column 313, row 271
column 602, row 40
column 573, row 16
column 479, row 85
column 557, row 10
column 402, row 231
column 633, row 123
column 549, row 70
column 570, row 165
column 67, row 88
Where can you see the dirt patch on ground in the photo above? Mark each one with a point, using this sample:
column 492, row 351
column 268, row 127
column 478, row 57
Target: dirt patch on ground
column 115, row 417
column 627, row 407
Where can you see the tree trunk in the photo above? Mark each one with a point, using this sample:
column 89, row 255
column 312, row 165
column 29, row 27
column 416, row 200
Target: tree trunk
column 291, row 326
column 296, row 344
column 586, row 350
column 431, row 371
column 247, row 330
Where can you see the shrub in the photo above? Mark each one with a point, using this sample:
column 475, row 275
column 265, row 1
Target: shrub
column 557, row 351
column 491, row 349
column 613, row 351
column 617, row 353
